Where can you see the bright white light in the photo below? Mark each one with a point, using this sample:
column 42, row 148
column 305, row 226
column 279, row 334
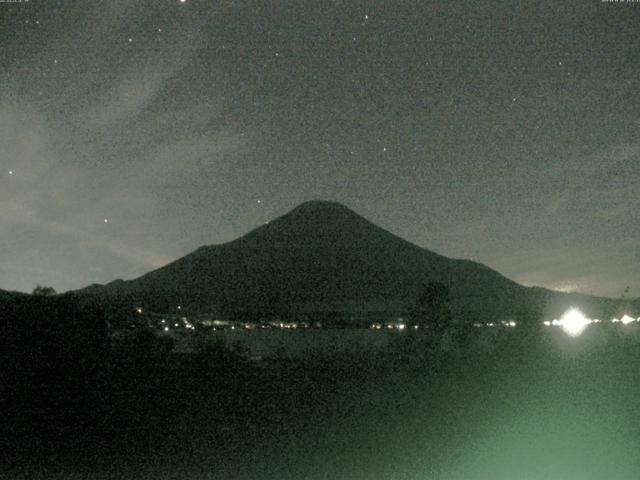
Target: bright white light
column 401, row 326
column 166, row 329
column 547, row 323
column 627, row 319
column 573, row 322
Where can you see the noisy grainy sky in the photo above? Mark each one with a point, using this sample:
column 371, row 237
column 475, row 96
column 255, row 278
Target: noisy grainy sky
column 132, row 132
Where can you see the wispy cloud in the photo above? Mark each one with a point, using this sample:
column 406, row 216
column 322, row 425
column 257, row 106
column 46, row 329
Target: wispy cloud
column 79, row 159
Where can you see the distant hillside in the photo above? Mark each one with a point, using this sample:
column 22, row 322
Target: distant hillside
column 323, row 257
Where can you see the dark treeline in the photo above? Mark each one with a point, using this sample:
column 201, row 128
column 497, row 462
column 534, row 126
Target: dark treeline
column 51, row 353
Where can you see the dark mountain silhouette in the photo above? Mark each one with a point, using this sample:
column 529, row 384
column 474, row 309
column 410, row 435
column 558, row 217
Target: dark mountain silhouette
column 323, row 257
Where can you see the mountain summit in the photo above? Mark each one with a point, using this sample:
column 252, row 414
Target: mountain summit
column 322, row 258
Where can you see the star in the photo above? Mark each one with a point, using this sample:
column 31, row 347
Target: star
column 130, row 40
column 106, row 220
column 10, row 172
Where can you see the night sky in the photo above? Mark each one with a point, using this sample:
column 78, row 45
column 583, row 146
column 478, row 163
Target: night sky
column 133, row 132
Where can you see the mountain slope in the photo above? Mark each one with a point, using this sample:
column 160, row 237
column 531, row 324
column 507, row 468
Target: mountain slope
column 322, row 256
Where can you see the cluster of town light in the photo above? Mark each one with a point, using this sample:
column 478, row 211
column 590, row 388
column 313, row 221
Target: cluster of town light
column 185, row 323
column 391, row 326
column 504, row 323
column 574, row 322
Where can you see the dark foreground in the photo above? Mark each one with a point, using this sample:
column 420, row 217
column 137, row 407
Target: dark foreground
column 514, row 406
